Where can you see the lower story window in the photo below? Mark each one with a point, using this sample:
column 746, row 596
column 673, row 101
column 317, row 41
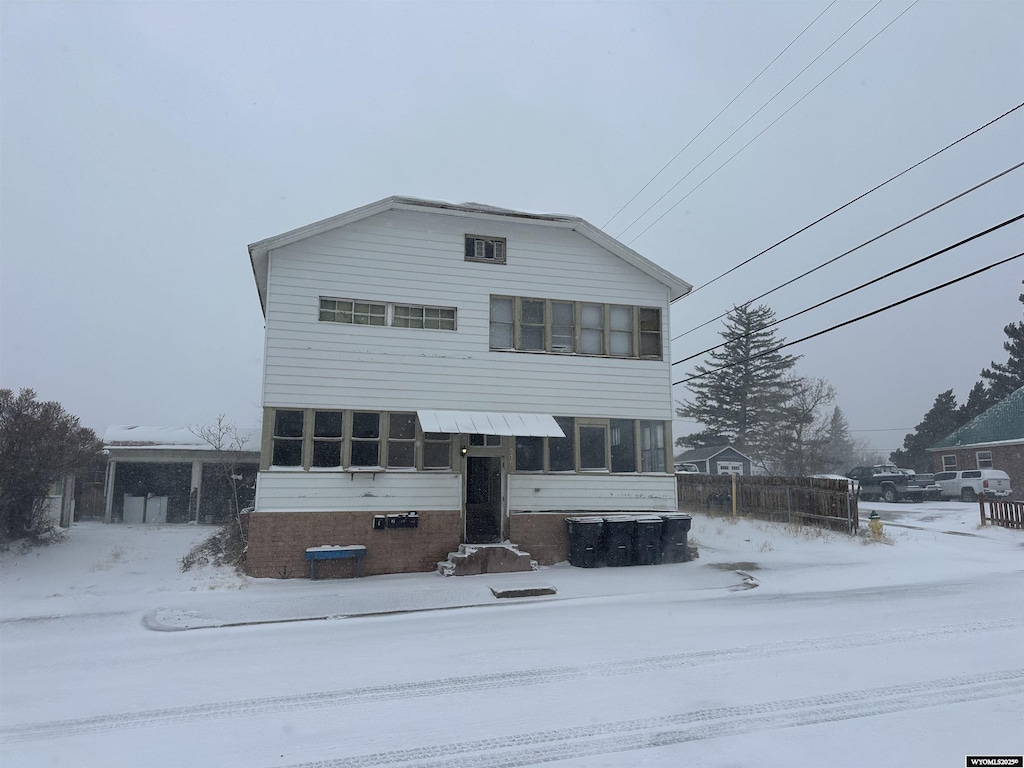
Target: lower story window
column 288, row 433
column 437, row 450
column 529, row 454
column 328, row 438
column 949, row 462
column 652, row 446
column 984, row 459
column 623, row 443
column 365, row 439
column 562, row 450
column 593, row 442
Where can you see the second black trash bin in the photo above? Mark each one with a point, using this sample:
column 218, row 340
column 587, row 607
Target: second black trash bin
column 585, row 541
column 618, row 540
column 647, row 540
column 675, row 528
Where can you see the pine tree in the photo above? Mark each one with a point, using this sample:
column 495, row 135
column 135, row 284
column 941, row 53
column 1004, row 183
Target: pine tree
column 743, row 391
column 1006, row 378
column 839, row 449
column 943, row 418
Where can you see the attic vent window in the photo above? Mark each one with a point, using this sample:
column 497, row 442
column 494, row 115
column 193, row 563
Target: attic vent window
column 489, row 249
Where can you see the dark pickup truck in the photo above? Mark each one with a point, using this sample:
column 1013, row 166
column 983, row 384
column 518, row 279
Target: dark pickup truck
column 888, row 483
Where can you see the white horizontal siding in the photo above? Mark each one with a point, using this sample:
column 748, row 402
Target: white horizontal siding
column 591, row 493
column 418, row 258
column 302, row 491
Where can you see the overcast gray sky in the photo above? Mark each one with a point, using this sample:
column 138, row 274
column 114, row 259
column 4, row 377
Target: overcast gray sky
column 144, row 145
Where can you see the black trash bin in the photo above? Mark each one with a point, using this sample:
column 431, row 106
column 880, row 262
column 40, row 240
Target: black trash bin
column 674, row 530
column 647, row 540
column 618, row 540
column 585, row 541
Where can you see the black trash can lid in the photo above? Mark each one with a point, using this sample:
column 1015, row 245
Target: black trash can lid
column 589, row 519
column 675, row 516
column 619, row 519
column 648, row 518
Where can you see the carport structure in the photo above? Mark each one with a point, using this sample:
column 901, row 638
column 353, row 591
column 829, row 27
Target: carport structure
column 171, row 475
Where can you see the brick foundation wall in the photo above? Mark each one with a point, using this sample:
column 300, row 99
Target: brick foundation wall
column 542, row 534
column 278, row 542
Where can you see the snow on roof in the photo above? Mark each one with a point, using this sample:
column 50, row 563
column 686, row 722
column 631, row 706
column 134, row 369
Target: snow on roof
column 168, row 438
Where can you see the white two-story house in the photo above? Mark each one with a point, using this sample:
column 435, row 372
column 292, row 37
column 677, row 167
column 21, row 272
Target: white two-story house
column 491, row 371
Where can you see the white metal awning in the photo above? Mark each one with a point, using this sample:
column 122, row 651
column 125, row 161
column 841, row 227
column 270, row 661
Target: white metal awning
column 481, row 423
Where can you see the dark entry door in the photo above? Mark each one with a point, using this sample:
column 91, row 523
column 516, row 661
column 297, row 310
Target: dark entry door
column 483, row 499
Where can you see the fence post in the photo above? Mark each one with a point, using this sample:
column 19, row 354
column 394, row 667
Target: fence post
column 789, row 504
column 733, row 494
column 981, row 509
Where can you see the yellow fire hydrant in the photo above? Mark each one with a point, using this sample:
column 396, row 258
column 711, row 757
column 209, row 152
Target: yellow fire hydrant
column 875, row 524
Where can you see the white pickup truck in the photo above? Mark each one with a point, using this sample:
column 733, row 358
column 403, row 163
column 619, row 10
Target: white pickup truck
column 969, row 484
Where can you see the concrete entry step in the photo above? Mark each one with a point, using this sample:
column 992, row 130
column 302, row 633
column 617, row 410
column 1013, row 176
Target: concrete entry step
column 474, row 559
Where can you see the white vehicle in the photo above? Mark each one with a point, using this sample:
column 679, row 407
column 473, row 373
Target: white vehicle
column 969, row 484
column 687, row 469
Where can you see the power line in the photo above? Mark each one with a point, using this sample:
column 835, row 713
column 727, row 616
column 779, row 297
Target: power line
column 744, row 123
column 854, row 320
column 763, row 130
column 851, row 202
column 847, row 253
column 712, row 120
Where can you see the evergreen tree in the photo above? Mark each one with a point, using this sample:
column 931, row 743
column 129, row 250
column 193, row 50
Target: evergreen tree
column 742, row 394
column 839, row 450
column 943, row 418
column 1006, row 378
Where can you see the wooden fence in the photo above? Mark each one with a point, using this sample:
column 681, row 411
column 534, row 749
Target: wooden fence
column 1008, row 514
column 801, row 500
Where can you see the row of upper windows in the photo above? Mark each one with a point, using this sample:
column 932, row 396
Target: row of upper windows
column 313, row 439
column 396, row 315
column 574, row 327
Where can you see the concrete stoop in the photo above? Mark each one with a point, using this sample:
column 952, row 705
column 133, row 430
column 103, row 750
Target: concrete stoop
column 474, row 559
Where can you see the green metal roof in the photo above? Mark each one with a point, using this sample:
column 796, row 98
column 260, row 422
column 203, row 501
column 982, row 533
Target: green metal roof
column 1003, row 422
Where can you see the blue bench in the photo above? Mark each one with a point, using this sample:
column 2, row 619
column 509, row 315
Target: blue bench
column 328, row 552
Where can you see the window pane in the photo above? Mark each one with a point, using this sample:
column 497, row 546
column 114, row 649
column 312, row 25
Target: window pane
column 529, row 454
column 622, row 318
column 592, row 324
column 287, row 453
column 621, row 343
column 327, row 424
column 652, row 446
column 563, row 327
column 592, row 448
column 592, row 342
column 623, row 445
column 650, row 345
column 401, row 454
column 532, row 338
column 326, row 453
column 288, row 424
column 437, row 452
column 533, row 312
column 561, row 450
column 402, row 426
column 592, row 315
column 366, row 425
column 532, row 325
column 365, row 454
column 501, row 323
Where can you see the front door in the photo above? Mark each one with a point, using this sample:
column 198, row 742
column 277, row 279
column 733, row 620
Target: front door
column 483, row 499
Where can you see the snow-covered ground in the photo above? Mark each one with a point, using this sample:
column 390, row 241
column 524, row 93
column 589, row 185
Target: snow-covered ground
column 778, row 647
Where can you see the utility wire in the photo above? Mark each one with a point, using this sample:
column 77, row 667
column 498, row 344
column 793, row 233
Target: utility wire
column 851, row 321
column 851, row 202
column 763, row 130
column 859, row 287
column 852, row 250
column 712, row 120
column 741, row 125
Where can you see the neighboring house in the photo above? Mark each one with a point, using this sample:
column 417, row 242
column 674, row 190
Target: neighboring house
column 492, row 371
column 716, row 460
column 169, row 475
column 994, row 439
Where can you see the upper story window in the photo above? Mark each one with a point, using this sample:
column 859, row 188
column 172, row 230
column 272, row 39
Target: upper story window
column 379, row 313
column 569, row 327
column 355, row 312
column 488, row 249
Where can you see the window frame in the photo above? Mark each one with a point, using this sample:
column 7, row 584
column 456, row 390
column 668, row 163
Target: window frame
column 390, row 314
column 578, row 329
column 496, row 243
column 603, row 425
column 978, row 460
column 383, row 440
column 946, row 467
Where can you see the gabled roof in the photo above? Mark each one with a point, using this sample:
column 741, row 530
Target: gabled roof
column 706, row 453
column 259, row 252
column 1002, row 423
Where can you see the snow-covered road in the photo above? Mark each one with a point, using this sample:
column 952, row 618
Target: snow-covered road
column 845, row 654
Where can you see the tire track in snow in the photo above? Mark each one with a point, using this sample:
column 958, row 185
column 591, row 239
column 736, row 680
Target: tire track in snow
column 646, row 733
column 459, row 685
